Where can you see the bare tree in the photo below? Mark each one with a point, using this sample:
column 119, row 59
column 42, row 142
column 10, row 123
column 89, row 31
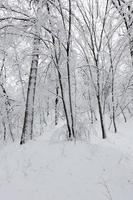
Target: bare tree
column 27, row 130
column 125, row 9
column 95, row 44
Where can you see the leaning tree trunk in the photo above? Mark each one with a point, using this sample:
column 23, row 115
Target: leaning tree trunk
column 56, row 63
column 68, row 71
column 27, row 130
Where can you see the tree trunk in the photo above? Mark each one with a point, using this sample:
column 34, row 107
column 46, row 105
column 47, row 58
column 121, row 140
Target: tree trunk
column 7, row 107
column 68, row 71
column 4, row 127
column 56, row 104
column 113, row 104
column 101, row 118
column 48, row 107
column 128, row 20
column 29, row 110
column 64, row 103
column 56, row 63
column 99, row 103
column 112, row 89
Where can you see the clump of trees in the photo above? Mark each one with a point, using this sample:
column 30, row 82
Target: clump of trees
column 64, row 60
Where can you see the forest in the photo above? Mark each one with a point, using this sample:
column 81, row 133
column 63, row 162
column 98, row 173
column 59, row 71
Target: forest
column 66, row 88
column 69, row 61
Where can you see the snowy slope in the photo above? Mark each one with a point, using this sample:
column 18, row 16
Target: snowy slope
column 48, row 170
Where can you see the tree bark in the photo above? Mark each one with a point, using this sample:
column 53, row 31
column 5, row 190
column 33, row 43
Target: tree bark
column 56, row 105
column 27, row 130
column 56, row 63
column 112, row 89
column 99, row 103
column 68, row 71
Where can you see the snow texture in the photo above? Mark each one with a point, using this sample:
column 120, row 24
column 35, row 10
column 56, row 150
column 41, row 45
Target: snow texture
column 46, row 169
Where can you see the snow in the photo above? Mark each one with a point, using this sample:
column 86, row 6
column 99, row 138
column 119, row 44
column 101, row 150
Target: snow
column 49, row 169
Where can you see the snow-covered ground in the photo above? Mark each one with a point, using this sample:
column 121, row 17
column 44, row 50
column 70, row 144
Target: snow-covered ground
column 48, row 169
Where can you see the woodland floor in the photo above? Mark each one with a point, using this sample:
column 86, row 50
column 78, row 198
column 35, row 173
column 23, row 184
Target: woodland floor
column 48, row 169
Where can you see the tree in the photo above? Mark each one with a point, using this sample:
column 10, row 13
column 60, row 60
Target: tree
column 95, row 42
column 125, row 9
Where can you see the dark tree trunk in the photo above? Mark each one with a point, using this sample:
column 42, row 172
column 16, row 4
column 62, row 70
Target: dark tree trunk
column 48, row 107
column 4, row 126
column 56, row 105
column 27, row 130
column 101, row 118
column 56, row 62
column 68, row 71
column 64, row 104
column 127, row 16
column 99, row 103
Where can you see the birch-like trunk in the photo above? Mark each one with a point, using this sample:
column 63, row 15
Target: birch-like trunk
column 7, row 107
